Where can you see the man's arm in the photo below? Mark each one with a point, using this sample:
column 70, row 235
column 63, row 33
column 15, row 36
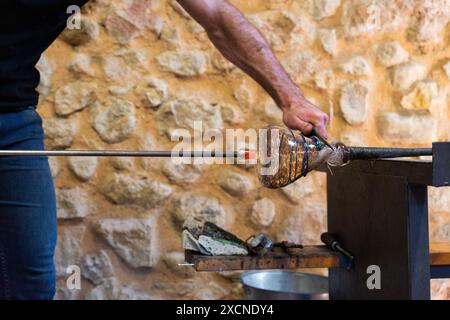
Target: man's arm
column 241, row 43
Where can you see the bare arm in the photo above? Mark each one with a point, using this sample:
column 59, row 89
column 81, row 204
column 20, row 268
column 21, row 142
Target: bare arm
column 241, row 43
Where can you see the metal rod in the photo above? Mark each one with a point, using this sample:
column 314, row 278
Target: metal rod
column 362, row 153
column 186, row 264
column 123, row 153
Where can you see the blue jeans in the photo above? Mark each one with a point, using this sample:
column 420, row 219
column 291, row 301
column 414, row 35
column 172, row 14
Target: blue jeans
column 28, row 227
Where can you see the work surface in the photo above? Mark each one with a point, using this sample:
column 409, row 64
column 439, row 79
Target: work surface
column 440, row 254
column 424, row 172
column 307, row 257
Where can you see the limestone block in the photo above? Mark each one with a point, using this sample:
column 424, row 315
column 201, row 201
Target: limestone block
column 59, row 133
column 183, row 63
column 115, row 121
column 297, row 191
column 121, row 163
column 368, row 17
column 74, row 97
column 301, row 66
column 429, row 21
column 325, row 79
column 305, row 225
column 323, row 8
column 234, row 183
column 263, row 212
column 439, row 199
column 244, row 94
column 328, row 40
column 358, row 66
column 200, row 207
column 391, row 53
column 156, row 92
column 83, row 167
column 353, row 101
column 132, row 239
column 127, row 190
column 72, row 203
column 111, row 289
column 423, row 97
column 352, row 138
column 416, row 129
column 181, row 173
column 123, row 65
column 81, row 65
column 276, row 26
column 440, row 289
column 182, row 113
column 96, row 267
column 69, row 248
column 406, row 74
column 128, row 19
column 446, row 68
column 87, row 32
column 272, row 112
column 46, row 73
column 54, row 166
column 231, row 114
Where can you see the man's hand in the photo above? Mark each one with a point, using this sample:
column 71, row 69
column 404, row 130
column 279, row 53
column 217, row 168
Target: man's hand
column 242, row 44
column 302, row 115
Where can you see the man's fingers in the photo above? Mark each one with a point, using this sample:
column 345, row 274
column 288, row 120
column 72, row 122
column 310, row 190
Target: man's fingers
column 303, row 126
column 306, row 128
column 322, row 131
column 313, row 120
column 320, row 124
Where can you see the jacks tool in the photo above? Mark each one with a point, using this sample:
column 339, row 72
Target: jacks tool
column 330, row 241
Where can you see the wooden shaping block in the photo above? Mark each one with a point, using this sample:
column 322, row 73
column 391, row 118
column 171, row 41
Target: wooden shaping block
column 440, row 254
column 294, row 258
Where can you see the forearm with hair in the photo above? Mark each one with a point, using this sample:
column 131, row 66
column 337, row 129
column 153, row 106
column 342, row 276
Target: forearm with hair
column 241, row 43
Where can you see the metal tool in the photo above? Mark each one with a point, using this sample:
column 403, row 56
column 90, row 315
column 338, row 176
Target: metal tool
column 298, row 155
column 186, row 264
column 286, row 245
column 330, row 241
column 246, row 154
column 368, row 153
column 259, row 244
column 322, row 139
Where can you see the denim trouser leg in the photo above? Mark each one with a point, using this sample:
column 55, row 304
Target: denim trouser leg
column 27, row 212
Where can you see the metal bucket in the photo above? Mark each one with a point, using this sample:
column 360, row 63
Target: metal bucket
column 284, row 285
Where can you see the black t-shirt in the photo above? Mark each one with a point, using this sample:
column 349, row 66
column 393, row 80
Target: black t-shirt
column 27, row 28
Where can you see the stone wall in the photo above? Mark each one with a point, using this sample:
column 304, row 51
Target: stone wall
column 137, row 69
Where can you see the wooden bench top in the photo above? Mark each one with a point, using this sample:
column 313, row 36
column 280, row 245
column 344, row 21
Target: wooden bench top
column 440, row 253
column 295, row 258
column 306, row 257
